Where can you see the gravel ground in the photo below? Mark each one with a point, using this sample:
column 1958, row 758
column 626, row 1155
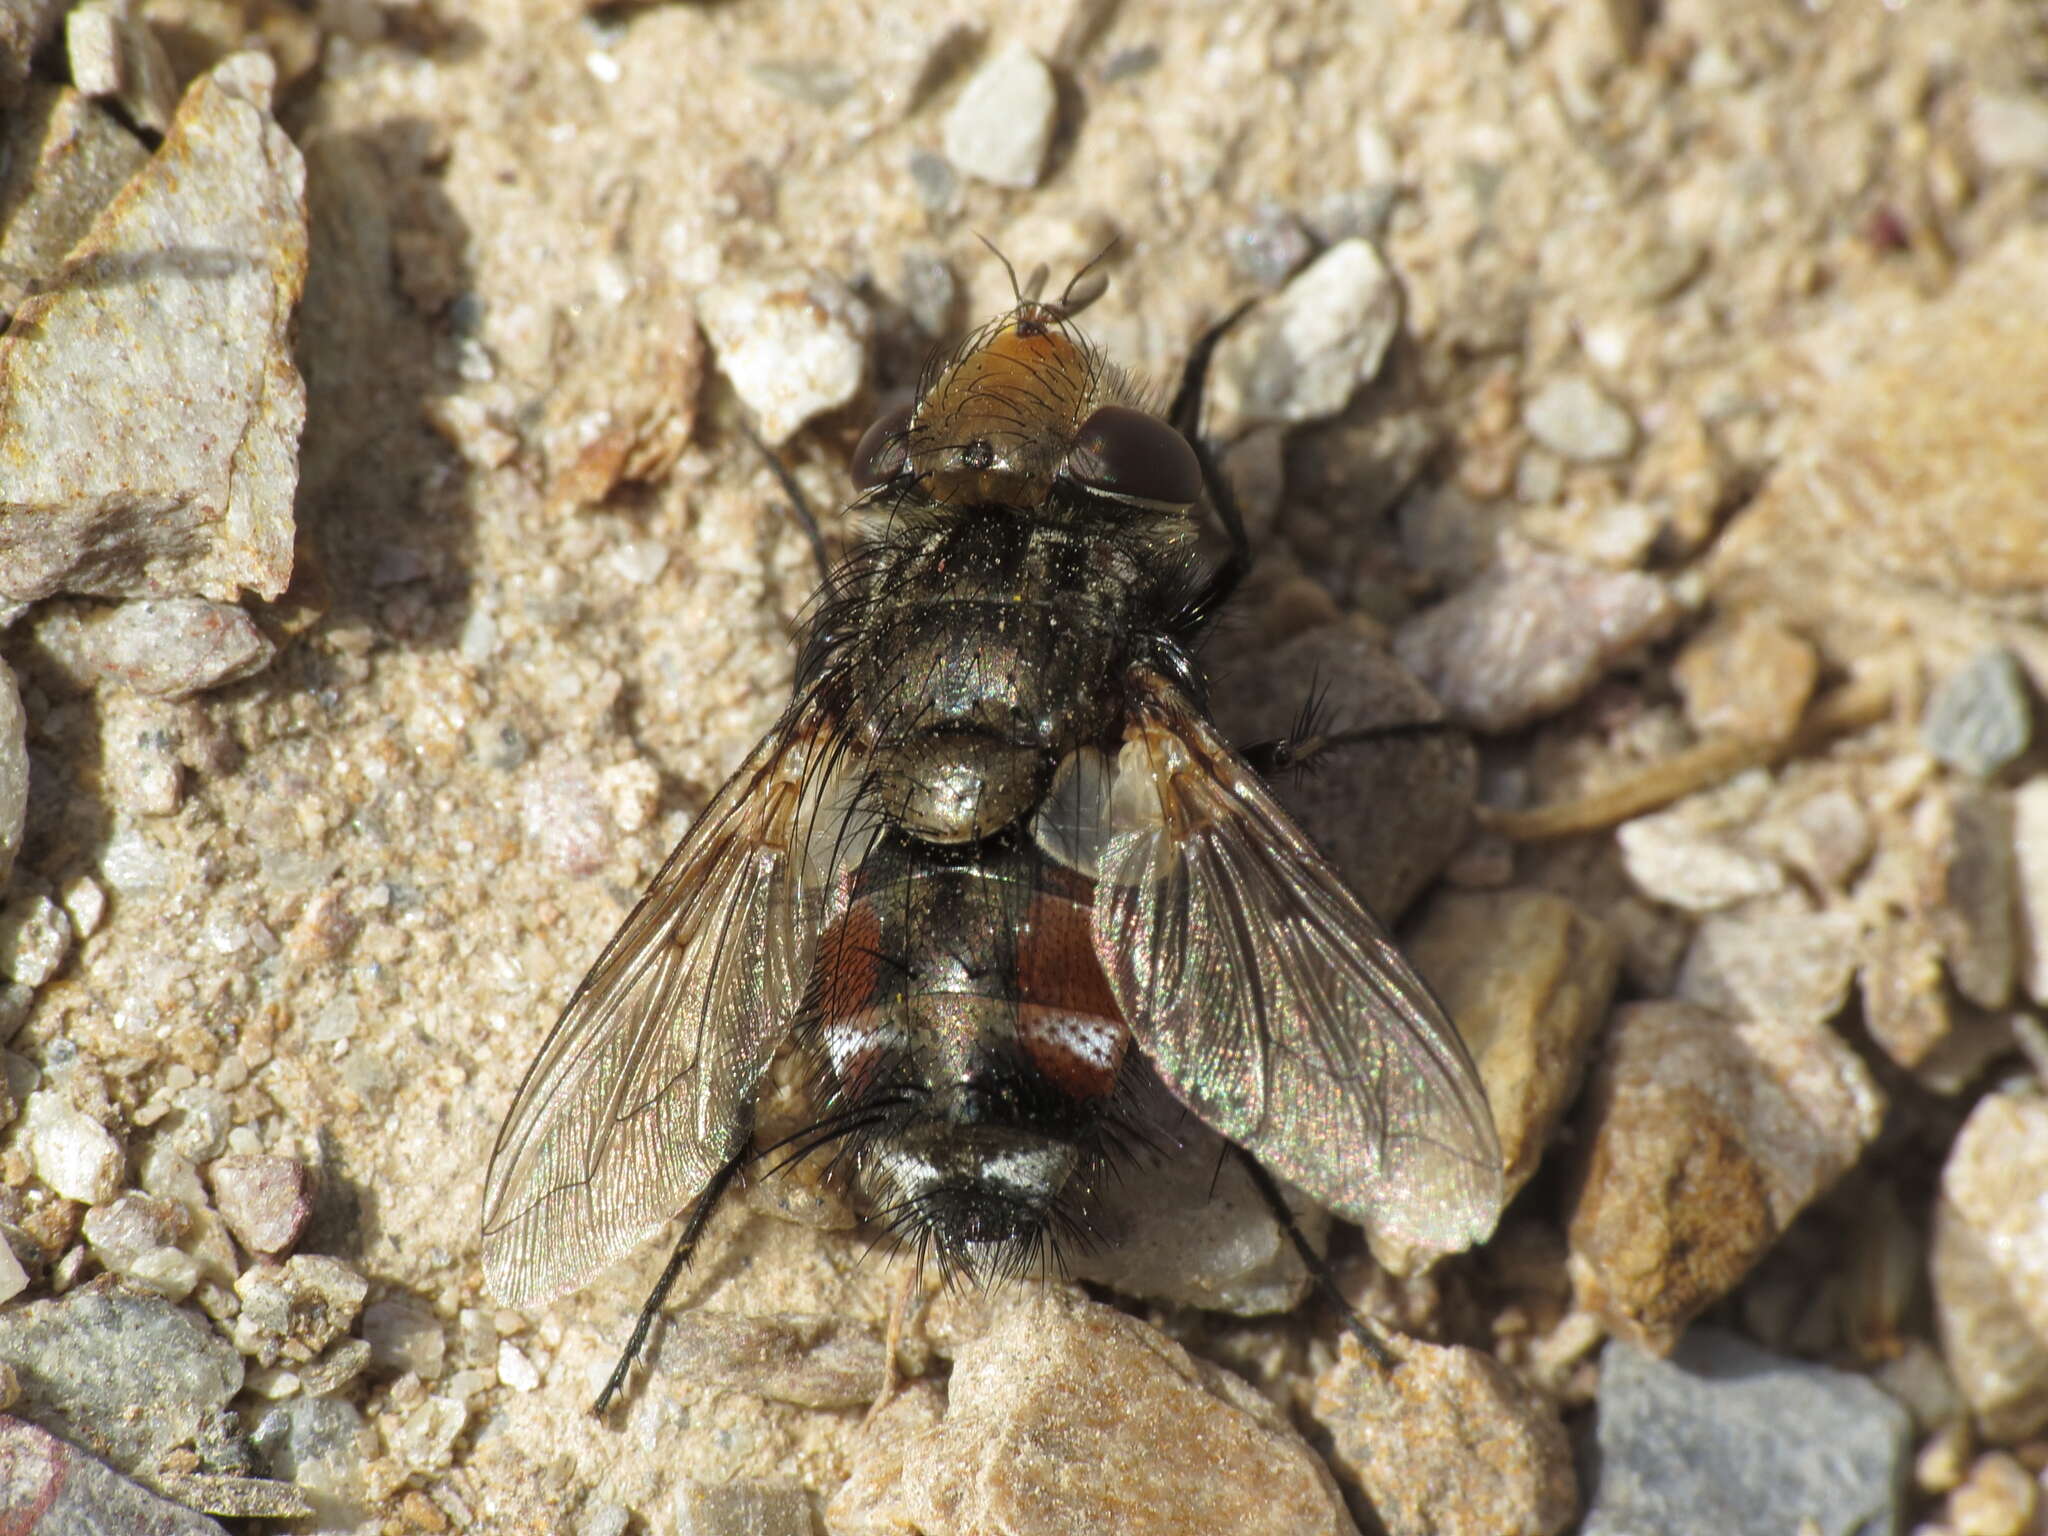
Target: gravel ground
column 388, row 579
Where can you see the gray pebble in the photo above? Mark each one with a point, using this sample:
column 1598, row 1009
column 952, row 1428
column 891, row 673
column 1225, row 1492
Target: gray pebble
column 1572, row 417
column 1302, row 354
column 58, row 1490
column 742, row 1509
column 321, row 1445
column 1002, row 124
column 127, row 1373
column 35, row 936
column 13, row 770
column 405, row 1335
column 1724, row 1437
column 1270, row 247
column 1979, row 717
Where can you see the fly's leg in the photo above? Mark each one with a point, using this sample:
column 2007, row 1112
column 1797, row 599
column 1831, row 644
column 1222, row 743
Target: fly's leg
column 1301, row 750
column 892, row 1343
column 806, row 518
column 1318, row 1267
column 1185, row 417
column 700, row 1217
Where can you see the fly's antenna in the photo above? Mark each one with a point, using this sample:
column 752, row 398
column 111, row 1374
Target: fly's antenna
column 1016, row 292
column 1087, row 285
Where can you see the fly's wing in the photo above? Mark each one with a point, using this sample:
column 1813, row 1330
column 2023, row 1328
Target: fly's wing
column 644, row 1087
column 1272, row 1003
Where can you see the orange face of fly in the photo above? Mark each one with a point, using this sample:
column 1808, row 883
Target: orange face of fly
column 995, row 424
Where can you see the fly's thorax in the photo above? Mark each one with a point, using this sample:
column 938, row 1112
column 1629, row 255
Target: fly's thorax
column 993, row 426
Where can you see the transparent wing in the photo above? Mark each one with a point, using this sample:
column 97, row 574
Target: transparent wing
column 644, row 1087
column 1270, row 1000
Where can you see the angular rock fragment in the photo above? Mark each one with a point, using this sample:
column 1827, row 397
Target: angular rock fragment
column 1302, row 354
column 1527, row 978
column 1750, row 677
column 72, row 1152
column 126, row 1373
column 1774, row 958
column 293, row 1311
column 1706, row 1136
column 1573, row 417
column 1725, row 1437
column 149, row 405
column 1990, row 1265
column 793, row 347
column 1531, row 635
column 266, row 1201
column 813, row 1362
column 167, row 648
column 2030, row 874
column 1693, row 855
column 116, row 55
column 62, row 157
column 1449, row 1442
column 13, row 771
column 58, row 1490
column 1067, row 1416
column 1979, row 717
column 1968, row 834
column 1001, row 124
column 742, row 1509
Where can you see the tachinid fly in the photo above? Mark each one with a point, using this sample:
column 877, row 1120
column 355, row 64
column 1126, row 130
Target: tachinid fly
column 999, row 883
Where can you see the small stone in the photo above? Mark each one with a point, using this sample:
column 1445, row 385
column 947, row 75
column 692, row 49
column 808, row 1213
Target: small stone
column 811, row 1361
column 515, row 1370
column 1917, row 1377
column 111, row 493
column 1749, row 678
column 85, row 902
column 565, row 820
column 1448, row 1442
column 167, row 648
column 424, row 1440
column 1825, row 836
column 1706, row 1136
column 247, row 1498
column 1772, row 959
column 127, row 1373
column 1527, row 977
column 295, row 1310
column 1979, row 718
column 1997, row 1498
column 2009, row 130
column 126, row 1228
column 2030, row 875
column 1570, row 416
column 266, row 1201
column 1387, row 860
column 116, row 55
column 405, row 1335
column 58, row 1490
column 1990, row 1263
column 72, row 1152
column 1068, row 1416
column 1301, row 355
column 13, row 771
column 25, row 26
column 1531, row 635
column 13, row 1278
column 742, row 1509
column 1725, row 1437
column 1001, row 125
column 62, row 157
column 320, row 1445
column 1689, row 855
column 1271, row 247
column 1906, row 1004
column 1969, row 842
column 1944, row 1460
column 35, row 936
column 793, row 347
column 344, row 1361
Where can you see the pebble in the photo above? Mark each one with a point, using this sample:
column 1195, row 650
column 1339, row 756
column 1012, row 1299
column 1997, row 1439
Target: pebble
column 245, row 1498
column 1826, row 836
column 13, row 771
column 1997, row 1498
column 1387, row 860
column 54, row 1489
column 1067, row 1416
column 1907, row 1007
column 742, row 1509
column 1979, row 718
column 1967, row 834
column 1572, row 417
column 1727, row 1437
column 1705, row 1136
column 126, row 1373
column 565, row 820
column 1270, row 247
column 35, row 936
column 1001, row 125
column 2009, row 130
column 13, row 1278
column 1528, row 977
column 812, row 1361
column 2030, row 878
column 320, row 1445
column 72, row 1152
column 1772, row 958
column 1302, row 354
column 793, row 347
column 1749, row 678
column 132, row 1225
column 190, row 358
column 1450, row 1441
column 1688, row 855
column 293, row 1311
column 167, row 648
column 61, row 158
column 1531, row 635
column 515, row 1369
column 1193, row 1231
column 424, row 1440
column 116, row 56
column 25, row 26
column 266, row 1201
column 1990, row 1263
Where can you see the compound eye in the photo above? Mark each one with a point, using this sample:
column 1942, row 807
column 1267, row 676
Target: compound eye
column 884, row 449
column 1128, row 455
